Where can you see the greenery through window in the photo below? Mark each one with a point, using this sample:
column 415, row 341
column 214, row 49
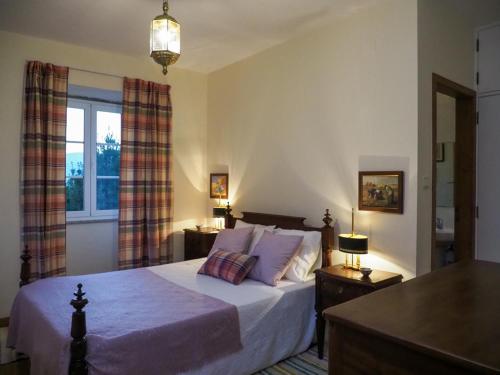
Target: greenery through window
column 93, row 139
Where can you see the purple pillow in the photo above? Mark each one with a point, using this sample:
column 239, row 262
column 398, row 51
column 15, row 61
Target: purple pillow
column 275, row 253
column 233, row 240
column 225, row 265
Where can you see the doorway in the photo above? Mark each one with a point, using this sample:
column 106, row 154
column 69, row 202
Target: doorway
column 453, row 172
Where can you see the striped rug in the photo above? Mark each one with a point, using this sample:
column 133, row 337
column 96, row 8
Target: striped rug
column 306, row 363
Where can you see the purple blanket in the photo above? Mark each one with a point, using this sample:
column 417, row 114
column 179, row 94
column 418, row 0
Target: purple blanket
column 137, row 323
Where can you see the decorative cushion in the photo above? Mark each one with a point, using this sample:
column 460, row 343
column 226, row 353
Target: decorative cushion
column 275, row 254
column 229, row 266
column 258, row 231
column 308, row 258
column 234, row 240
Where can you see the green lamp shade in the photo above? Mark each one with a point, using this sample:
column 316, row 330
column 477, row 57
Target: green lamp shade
column 353, row 243
column 219, row 212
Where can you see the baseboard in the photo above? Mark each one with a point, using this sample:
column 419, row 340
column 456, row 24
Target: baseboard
column 4, row 322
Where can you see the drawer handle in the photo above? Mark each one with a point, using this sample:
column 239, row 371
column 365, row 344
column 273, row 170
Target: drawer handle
column 340, row 290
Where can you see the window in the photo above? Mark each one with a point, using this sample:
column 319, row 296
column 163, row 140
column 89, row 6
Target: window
column 93, row 137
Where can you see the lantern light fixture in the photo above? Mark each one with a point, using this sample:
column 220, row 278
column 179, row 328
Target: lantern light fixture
column 165, row 39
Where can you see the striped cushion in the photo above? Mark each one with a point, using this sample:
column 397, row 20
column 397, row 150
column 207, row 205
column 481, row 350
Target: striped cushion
column 229, row 266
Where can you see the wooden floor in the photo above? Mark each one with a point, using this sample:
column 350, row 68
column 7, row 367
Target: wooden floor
column 21, row 367
column 8, row 363
column 305, row 363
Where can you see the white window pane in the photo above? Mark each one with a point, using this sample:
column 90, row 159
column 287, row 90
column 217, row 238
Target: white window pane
column 108, row 127
column 108, row 159
column 74, row 194
column 75, row 119
column 74, row 159
column 107, row 193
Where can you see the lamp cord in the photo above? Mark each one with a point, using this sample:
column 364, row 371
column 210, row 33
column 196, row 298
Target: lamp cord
column 352, row 221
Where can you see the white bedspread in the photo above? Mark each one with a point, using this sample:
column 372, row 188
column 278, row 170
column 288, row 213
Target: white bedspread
column 275, row 322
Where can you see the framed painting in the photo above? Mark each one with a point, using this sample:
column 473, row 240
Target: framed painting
column 219, row 185
column 381, row 191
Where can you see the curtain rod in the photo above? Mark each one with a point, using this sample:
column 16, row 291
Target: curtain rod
column 93, row 72
column 90, row 71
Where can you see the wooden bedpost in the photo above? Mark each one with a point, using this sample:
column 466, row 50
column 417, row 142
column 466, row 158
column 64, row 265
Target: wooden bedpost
column 25, row 267
column 145, row 261
column 78, row 351
column 327, row 239
column 229, row 218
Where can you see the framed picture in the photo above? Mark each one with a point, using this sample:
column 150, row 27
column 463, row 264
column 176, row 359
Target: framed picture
column 439, row 152
column 219, row 185
column 381, row 191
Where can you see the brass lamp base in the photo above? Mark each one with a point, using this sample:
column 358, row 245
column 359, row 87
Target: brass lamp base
column 350, row 265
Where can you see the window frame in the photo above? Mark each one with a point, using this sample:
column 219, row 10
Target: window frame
column 86, row 107
column 90, row 211
column 103, row 107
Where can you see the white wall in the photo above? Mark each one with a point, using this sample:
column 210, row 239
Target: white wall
column 446, row 47
column 294, row 125
column 488, row 138
column 92, row 247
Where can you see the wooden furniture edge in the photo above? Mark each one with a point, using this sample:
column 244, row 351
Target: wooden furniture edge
column 289, row 222
column 25, row 274
column 376, row 285
column 420, row 348
column 78, row 348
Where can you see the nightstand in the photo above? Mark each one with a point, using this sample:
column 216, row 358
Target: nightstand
column 198, row 243
column 335, row 285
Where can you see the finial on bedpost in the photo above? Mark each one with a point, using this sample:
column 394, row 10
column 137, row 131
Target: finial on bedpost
column 327, row 219
column 327, row 239
column 78, row 351
column 228, row 219
column 25, row 267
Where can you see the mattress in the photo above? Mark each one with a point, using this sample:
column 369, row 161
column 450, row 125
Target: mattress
column 275, row 322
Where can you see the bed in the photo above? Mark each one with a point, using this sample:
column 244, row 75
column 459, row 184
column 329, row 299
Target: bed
column 212, row 327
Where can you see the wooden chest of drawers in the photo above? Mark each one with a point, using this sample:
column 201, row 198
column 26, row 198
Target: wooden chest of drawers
column 335, row 285
column 197, row 243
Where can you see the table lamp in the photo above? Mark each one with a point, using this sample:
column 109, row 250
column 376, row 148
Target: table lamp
column 354, row 244
column 219, row 213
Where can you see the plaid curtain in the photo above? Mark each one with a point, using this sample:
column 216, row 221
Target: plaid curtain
column 43, row 194
column 145, row 219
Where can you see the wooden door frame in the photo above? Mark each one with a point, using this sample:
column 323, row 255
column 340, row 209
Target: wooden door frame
column 466, row 108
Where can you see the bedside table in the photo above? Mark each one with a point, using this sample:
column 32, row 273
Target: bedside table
column 335, row 285
column 198, row 243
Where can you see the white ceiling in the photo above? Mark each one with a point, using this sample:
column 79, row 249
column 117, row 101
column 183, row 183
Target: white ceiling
column 215, row 33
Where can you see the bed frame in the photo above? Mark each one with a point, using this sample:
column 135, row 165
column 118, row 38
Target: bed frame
column 78, row 349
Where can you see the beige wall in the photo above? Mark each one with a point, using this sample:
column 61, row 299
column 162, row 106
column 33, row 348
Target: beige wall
column 294, row 125
column 446, row 47
column 92, row 247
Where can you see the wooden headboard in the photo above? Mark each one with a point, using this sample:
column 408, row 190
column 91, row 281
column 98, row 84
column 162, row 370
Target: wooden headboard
column 289, row 222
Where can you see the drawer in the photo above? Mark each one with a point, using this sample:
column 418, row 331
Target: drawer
column 333, row 293
column 192, row 240
column 197, row 244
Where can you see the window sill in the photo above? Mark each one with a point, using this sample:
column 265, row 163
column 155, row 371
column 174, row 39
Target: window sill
column 91, row 220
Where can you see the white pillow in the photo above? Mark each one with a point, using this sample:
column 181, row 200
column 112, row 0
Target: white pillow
column 308, row 259
column 258, row 231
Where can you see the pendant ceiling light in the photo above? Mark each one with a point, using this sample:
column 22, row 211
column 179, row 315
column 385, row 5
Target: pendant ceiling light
column 165, row 39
